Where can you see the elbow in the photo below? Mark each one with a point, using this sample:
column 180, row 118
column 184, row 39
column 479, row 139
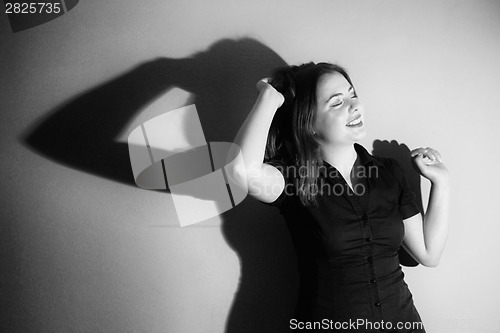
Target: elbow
column 245, row 177
column 430, row 262
column 237, row 175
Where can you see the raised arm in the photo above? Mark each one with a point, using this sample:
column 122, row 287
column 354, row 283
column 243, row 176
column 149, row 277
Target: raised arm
column 425, row 238
column 264, row 182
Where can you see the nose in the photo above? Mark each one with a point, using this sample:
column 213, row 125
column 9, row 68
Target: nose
column 354, row 105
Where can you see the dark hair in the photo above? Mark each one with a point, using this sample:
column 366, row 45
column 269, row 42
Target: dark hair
column 291, row 139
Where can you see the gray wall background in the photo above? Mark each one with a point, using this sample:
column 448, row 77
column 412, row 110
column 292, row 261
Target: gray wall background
column 83, row 250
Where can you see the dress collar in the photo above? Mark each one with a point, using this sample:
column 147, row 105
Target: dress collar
column 366, row 157
column 363, row 156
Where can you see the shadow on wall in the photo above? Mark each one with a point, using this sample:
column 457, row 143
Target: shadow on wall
column 82, row 133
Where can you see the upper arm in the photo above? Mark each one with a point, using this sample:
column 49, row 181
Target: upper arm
column 413, row 240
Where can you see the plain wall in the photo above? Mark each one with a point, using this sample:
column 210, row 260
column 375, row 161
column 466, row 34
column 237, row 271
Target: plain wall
column 84, row 250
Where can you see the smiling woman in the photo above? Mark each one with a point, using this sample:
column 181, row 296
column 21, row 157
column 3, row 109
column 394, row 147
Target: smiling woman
column 299, row 146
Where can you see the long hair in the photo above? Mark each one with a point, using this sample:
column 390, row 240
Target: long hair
column 292, row 139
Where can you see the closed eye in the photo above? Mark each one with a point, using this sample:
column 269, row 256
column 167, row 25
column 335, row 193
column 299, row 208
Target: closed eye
column 337, row 104
column 337, row 98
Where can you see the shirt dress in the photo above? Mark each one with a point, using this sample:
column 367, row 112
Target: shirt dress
column 347, row 248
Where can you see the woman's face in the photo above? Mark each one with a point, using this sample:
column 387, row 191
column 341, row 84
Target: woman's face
column 339, row 114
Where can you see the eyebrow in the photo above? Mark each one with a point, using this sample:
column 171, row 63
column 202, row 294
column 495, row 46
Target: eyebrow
column 337, row 94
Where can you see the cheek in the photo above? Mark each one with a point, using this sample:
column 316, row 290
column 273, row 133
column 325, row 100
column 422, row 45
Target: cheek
column 329, row 125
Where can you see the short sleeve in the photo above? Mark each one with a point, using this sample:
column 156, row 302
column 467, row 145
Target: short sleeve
column 407, row 204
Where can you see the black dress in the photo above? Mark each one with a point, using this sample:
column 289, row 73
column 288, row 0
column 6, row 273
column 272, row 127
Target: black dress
column 347, row 249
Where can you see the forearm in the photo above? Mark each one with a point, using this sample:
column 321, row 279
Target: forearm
column 436, row 222
column 252, row 136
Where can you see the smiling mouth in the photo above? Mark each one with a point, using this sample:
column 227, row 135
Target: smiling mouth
column 355, row 122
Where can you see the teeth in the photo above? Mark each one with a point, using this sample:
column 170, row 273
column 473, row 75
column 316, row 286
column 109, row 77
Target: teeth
column 354, row 122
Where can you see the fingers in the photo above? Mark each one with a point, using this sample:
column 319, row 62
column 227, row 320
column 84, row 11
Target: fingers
column 428, row 153
column 438, row 155
column 263, row 83
column 419, row 161
column 426, row 156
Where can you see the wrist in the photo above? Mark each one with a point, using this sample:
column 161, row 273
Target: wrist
column 443, row 184
column 271, row 95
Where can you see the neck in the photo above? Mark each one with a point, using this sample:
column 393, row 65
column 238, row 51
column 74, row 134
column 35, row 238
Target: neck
column 342, row 157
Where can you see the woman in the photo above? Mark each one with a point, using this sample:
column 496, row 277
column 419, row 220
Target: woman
column 348, row 212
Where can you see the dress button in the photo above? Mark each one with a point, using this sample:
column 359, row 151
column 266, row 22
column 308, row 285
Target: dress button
column 365, row 217
column 373, row 280
column 369, row 259
column 377, row 304
column 368, row 239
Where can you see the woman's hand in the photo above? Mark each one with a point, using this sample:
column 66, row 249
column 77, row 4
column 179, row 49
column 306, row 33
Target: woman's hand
column 267, row 90
column 430, row 165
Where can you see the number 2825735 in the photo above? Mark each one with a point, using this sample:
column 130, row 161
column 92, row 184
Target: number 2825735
column 32, row 8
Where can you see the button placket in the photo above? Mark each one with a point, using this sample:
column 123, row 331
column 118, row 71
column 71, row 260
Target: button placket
column 367, row 249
